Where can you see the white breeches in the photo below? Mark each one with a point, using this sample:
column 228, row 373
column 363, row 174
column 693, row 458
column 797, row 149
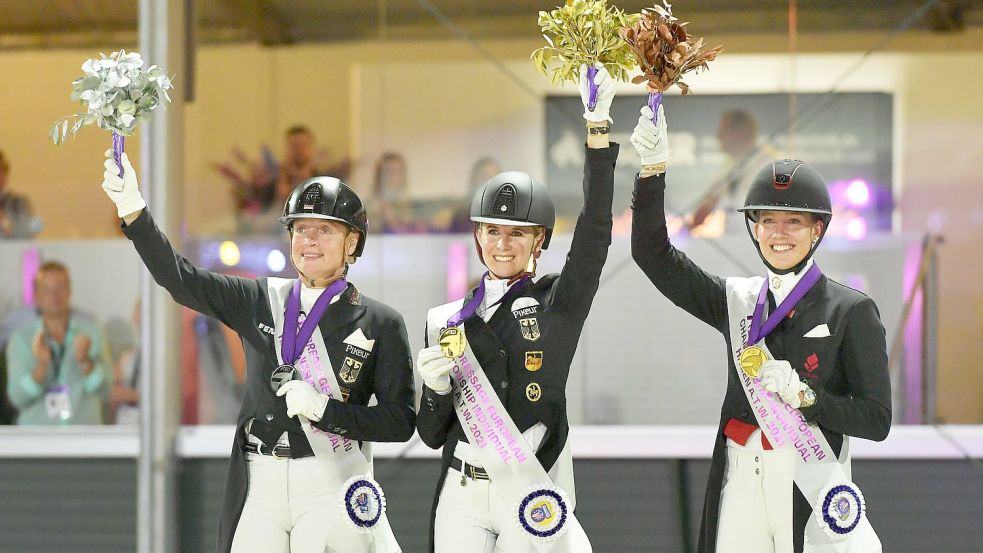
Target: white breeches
column 756, row 499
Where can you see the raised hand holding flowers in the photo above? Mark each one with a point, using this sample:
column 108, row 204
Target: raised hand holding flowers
column 583, row 32
column 117, row 94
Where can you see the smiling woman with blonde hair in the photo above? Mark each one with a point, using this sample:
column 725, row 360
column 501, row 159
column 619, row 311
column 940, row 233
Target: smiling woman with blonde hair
column 807, row 365
column 496, row 366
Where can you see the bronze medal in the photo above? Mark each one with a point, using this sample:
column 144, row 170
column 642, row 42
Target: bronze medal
column 452, row 342
column 751, row 360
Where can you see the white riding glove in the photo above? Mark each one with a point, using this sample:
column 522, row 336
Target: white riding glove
column 435, row 369
column 651, row 140
column 605, row 94
column 303, row 399
column 123, row 191
column 778, row 377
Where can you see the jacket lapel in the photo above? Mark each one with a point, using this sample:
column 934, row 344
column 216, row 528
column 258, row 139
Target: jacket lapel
column 343, row 312
column 812, row 297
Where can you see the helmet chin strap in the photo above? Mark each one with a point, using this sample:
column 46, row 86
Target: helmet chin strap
column 798, row 266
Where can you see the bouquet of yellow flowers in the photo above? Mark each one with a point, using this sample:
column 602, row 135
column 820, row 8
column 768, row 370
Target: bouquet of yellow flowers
column 583, row 32
column 665, row 51
column 117, row 94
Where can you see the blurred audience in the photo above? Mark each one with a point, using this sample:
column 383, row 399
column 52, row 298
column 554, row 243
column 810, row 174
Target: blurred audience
column 124, row 395
column 17, row 218
column 390, row 209
column 260, row 186
column 481, row 171
column 56, row 365
column 737, row 134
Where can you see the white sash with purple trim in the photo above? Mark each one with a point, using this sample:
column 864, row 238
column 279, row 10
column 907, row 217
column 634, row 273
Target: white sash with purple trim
column 360, row 498
column 839, row 523
column 541, row 508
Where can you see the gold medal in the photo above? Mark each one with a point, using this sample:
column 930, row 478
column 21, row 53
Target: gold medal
column 452, row 342
column 751, row 360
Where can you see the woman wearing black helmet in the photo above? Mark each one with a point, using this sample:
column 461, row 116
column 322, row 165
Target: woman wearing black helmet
column 496, row 366
column 807, row 366
column 316, row 352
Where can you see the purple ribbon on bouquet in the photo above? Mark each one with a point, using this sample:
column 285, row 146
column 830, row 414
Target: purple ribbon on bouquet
column 592, row 87
column 655, row 100
column 118, row 151
column 294, row 340
column 758, row 331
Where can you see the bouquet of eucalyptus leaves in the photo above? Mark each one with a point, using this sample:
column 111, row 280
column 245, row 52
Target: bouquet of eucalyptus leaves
column 583, row 32
column 117, row 94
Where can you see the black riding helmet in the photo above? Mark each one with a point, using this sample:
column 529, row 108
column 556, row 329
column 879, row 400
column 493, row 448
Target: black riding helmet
column 788, row 185
column 514, row 198
column 327, row 198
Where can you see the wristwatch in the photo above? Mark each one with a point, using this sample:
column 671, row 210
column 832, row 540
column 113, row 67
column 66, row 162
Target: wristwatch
column 807, row 397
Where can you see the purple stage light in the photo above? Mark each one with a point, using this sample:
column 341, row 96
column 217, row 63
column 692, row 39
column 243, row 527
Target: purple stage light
column 856, row 228
column 858, row 192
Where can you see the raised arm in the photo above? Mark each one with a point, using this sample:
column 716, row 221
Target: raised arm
column 679, row 279
column 231, row 300
column 580, row 277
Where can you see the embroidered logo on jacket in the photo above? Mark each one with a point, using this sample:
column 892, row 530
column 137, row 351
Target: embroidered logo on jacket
column 534, row 360
column 265, row 328
column 349, row 373
column 530, row 328
column 811, row 364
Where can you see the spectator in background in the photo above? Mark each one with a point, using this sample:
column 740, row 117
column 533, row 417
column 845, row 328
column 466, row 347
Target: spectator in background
column 390, row 204
column 481, row 171
column 737, row 134
column 124, row 394
column 302, row 160
column 57, row 370
column 17, row 219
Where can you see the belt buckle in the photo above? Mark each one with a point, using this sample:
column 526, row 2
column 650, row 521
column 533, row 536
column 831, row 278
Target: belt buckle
column 274, row 454
column 471, row 472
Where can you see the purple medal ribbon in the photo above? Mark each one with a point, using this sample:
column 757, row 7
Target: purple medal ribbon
column 294, row 340
column 472, row 306
column 758, row 331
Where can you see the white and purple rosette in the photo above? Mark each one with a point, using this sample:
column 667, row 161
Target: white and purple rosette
column 542, row 513
column 840, row 509
column 363, row 502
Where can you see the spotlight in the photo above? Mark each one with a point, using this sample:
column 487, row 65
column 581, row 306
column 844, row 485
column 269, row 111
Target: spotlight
column 276, row 261
column 856, row 228
column 228, row 253
column 858, row 193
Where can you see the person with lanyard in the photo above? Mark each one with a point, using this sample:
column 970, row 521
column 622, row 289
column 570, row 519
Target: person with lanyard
column 807, row 365
column 316, row 352
column 496, row 363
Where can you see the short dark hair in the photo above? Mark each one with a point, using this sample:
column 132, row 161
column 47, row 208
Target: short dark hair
column 299, row 129
column 50, row 267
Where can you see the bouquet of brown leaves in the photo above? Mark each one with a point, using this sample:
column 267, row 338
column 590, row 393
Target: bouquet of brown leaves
column 664, row 51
